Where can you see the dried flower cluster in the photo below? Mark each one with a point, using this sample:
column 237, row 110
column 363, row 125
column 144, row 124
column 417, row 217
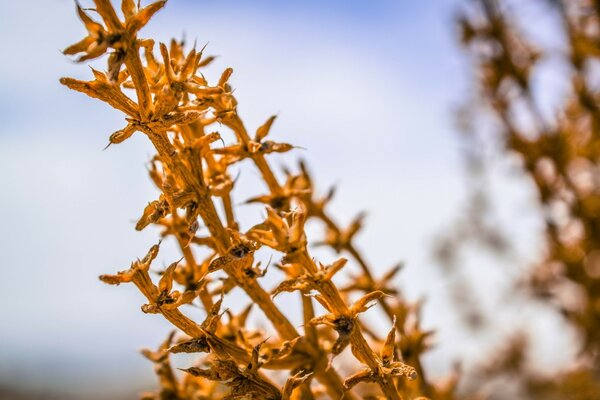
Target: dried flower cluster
column 178, row 111
column 561, row 154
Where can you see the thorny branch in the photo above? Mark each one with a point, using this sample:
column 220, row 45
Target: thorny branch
column 175, row 107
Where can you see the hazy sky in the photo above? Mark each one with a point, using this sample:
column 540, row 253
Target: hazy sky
column 366, row 87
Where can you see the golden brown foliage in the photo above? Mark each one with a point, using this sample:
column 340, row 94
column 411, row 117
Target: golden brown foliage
column 560, row 153
column 176, row 109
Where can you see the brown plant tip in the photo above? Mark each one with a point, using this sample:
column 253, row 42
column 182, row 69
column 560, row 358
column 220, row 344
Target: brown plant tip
column 179, row 112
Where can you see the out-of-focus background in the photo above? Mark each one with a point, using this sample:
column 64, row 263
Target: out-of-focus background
column 368, row 90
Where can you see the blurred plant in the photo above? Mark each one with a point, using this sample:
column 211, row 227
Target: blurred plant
column 175, row 108
column 560, row 152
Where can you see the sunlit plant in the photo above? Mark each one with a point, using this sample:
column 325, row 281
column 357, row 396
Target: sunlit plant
column 166, row 98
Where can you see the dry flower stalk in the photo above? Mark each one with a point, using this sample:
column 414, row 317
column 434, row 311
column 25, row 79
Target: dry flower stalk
column 175, row 108
column 561, row 154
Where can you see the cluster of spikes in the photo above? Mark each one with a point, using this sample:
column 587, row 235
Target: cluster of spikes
column 167, row 99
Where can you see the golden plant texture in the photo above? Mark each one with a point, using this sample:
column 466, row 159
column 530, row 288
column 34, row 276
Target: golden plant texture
column 177, row 110
column 165, row 97
column 560, row 153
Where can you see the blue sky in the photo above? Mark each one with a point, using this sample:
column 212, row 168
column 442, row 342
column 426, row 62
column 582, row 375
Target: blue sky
column 368, row 88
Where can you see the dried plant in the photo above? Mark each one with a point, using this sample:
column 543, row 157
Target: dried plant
column 178, row 111
column 560, row 151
